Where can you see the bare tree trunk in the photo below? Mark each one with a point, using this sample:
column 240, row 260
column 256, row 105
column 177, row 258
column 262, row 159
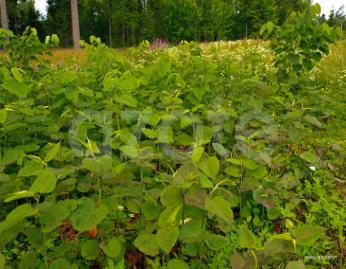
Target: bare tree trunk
column 4, row 18
column 75, row 24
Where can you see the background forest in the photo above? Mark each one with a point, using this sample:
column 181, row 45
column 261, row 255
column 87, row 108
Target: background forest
column 128, row 22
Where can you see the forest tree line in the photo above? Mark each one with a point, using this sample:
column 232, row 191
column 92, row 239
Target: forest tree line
column 128, row 22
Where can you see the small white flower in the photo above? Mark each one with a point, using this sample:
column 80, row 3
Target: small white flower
column 131, row 215
column 120, row 207
column 312, row 168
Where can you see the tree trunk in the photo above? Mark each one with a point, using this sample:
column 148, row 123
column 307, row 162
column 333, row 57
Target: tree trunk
column 110, row 36
column 4, row 18
column 75, row 24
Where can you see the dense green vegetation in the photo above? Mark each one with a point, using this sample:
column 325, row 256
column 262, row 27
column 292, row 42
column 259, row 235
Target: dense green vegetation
column 128, row 22
column 193, row 156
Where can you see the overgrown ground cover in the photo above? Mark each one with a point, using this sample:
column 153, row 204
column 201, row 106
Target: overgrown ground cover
column 185, row 157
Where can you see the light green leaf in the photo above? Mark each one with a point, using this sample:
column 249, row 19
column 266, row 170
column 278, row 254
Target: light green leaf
column 2, row 261
column 17, row 215
column 246, row 238
column 44, row 183
column 60, row 264
column 90, row 249
column 171, row 196
column 313, row 120
column 15, row 87
column 130, row 151
column 149, row 133
column 51, row 154
column 165, row 135
column 233, row 171
column 210, row 166
column 216, row 241
column 19, row 195
column 197, row 154
column 52, row 215
column 88, row 215
column 166, row 238
column 31, row 168
column 147, row 244
column 219, row 149
column 220, row 207
column 112, row 248
column 177, row 264
column 3, row 116
column 296, row 265
column 249, row 164
column 307, row 234
column 309, row 157
column 98, row 165
column 203, row 135
column 128, row 100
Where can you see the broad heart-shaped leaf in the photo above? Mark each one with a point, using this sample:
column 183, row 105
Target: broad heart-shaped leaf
column 52, row 215
column 31, row 168
column 202, row 135
column 296, row 265
column 177, row 264
column 220, row 207
column 44, row 183
column 282, row 243
column 15, row 87
column 219, row 149
column 165, row 135
column 166, row 238
column 98, row 165
column 3, row 116
column 88, row 215
column 51, row 154
column 90, row 249
column 130, row 151
column 2, row 261
column 197, row 154
column 113, row 248
column 171, row 196
column 149, row 133
column 313, row 120
column 309, row 157
column 210, row 166
column 128, row 100
column 17, row 215
column 306, row 234
column 246, row 238
column 216, row 241
column 147, row 244
column 60, row 264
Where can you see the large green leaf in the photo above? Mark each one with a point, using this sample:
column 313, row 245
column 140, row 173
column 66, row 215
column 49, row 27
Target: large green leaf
column 177, row 264
column 210, row 166
column 246, row 238
column 296, row 265
column 307, row 234
column 52, row 215
column 60, row 264
column 17, row 215
column 220, row 207
column 309, row 157
column 203, row 135
column 147, row 243
column 171, row 196
column 51, row 154
column 166, row 238
column 128, row 100
column 44, row 183
column 112, row 248
column 15, row 87
column 99, row 164
column 90, row 249
column 88, row 215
